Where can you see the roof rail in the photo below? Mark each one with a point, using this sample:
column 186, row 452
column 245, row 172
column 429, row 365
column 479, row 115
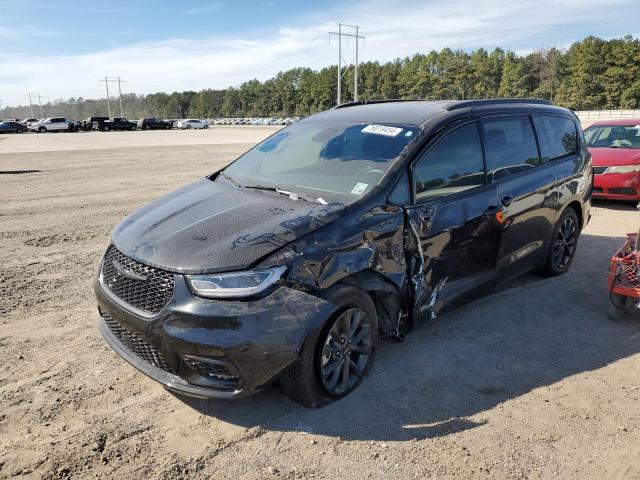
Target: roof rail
column 370, row 102
column 495, row 101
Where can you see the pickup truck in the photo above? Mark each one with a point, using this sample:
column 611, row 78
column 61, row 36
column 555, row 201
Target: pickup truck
column 116, row 123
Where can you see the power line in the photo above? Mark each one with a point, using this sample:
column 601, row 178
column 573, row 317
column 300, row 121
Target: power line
column 357, row 36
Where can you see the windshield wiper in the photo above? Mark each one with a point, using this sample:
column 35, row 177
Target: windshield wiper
column 291, row 195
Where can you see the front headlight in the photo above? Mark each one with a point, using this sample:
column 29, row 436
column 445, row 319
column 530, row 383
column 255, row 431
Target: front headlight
column 236, row 284
column 623, row 169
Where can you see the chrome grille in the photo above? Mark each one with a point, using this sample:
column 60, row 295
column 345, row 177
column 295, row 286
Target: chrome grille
column 143, row 287
column 136, row 344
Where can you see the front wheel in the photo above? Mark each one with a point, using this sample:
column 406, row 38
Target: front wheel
column 105, row 128
column 563, row 244
column 335, row 360
column 42, row 130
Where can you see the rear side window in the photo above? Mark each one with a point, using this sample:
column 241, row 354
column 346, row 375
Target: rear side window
column 558, row 136
column 453, row 165
column 510, row 146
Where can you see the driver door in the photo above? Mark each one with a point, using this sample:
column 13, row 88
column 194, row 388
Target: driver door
column 454, row 221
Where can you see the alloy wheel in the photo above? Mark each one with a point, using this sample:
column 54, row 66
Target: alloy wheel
column 346, row 351
column 565, row 243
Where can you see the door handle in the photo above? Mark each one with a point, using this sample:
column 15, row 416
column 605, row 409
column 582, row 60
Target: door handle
column 506, row 201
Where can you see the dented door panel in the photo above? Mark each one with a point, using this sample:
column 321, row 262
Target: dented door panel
column 457, row 238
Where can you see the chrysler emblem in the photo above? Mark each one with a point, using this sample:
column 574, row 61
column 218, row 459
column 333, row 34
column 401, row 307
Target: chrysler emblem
column 127, row 273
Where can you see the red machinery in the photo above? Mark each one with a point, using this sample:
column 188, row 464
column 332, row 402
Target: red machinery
column 624, row 279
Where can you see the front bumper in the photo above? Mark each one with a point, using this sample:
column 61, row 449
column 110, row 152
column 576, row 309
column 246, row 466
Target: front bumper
column 617, row 186
column 254, row 340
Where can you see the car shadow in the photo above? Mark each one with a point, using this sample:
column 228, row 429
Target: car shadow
column 615, row 205
column 526, row 336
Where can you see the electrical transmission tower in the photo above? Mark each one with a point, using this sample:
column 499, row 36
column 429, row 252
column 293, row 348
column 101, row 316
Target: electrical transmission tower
column 39, row 97
column 357, row 36
column 117, row 80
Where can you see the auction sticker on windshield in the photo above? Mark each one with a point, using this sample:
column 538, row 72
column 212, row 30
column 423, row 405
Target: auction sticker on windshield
column 382, row 130
column 359, row 188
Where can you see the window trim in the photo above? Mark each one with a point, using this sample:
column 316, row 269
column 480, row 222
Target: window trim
column 430, row 145
column 566, row 156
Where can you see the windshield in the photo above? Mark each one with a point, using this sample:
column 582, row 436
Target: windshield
column 338, row 162
column 613, row 136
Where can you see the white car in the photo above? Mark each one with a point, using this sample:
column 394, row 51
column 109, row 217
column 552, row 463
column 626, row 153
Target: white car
column 190, row 123
column 53, row 124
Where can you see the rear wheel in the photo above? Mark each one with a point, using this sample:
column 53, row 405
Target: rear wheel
column 563, row 244
column 334, row 361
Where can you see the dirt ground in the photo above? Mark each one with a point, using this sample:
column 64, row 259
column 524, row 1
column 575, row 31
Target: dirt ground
column 531, row 382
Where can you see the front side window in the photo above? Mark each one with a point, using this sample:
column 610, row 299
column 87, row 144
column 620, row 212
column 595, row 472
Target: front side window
column 613, row 136
column 454, row 164
column 558, row 136
column 337, row 161
column 510, row 146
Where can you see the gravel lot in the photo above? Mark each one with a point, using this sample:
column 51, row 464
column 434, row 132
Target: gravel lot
column 532, row 382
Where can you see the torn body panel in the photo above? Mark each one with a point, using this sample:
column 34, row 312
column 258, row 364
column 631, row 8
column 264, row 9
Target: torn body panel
column 452, row 247
column 367, row 252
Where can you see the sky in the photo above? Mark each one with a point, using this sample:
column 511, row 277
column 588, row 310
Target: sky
column 61, row 49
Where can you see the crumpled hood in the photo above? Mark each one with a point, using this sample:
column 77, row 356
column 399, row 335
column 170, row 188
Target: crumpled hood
column 211, row 226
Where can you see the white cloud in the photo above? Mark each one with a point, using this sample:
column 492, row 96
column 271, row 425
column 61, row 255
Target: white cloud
column 207, row 8
column 392, row 30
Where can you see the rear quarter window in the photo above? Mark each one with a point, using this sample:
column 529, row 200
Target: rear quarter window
column 558, row 136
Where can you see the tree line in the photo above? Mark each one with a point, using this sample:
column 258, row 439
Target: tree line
column 591, row 74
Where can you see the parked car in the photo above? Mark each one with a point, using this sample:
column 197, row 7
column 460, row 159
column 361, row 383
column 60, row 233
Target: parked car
column 153, row 123
column 116, row 123
column 362, row 221
column 12, row 127
column 88, row 123
column 615, row 150
column 190, row 123
column 27, row 121
column 53, row 124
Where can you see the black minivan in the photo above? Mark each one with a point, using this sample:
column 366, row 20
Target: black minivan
column 359, row 222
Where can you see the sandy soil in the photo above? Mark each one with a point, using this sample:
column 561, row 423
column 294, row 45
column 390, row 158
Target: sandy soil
column 532, row 382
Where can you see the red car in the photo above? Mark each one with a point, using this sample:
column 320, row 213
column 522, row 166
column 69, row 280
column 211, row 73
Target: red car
column 615, row 151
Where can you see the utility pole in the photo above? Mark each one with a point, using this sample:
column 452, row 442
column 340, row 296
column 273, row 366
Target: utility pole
column 106, row 84
column 120, row 95
column 30, row 104
column 119, row 81
column 357, row 36
column 39, row 97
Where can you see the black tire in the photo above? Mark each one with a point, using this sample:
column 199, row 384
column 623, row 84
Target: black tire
column 19, row 130
column 145, row 127
column 188, row 127
column 105, row 128
column 132, row 128
column 564, row 242
column 42, row 130
column 305, row 382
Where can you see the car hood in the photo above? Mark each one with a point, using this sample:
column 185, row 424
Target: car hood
column 605, row 157
column 209, row 226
